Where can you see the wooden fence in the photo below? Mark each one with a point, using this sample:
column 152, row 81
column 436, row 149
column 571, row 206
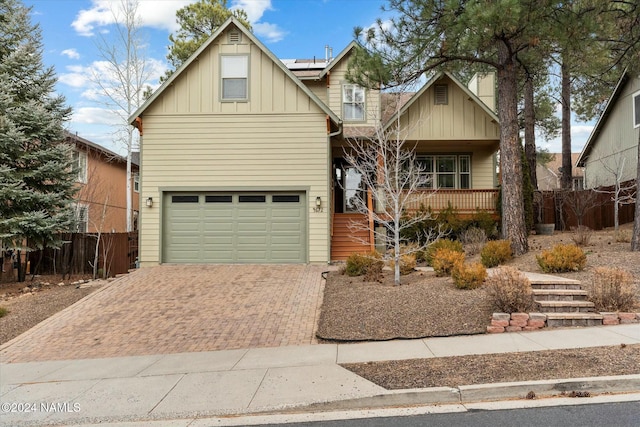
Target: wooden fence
column 595, row 210
column 117, row 254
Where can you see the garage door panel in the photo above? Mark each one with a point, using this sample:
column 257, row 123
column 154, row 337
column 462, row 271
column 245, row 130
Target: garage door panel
column 286, row 227
column 240, row 227
column 217, row 227
column 251, row 227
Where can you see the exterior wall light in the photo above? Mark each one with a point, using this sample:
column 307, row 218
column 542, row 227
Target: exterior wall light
column 318, row 207
column 150, row 202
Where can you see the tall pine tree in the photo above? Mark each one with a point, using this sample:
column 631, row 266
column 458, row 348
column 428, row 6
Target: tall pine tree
column 37, row 180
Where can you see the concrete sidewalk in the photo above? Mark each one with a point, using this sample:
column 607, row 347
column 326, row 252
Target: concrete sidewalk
column 192, row 386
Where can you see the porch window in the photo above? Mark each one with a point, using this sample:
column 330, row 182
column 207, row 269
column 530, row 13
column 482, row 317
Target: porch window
column 235, row 77
column 353, row 103
column 464, row 163
column 445, row 171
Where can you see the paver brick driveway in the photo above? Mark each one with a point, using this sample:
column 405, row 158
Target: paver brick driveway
column 185, row 308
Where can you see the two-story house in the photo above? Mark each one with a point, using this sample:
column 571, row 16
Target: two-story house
column 242, row 153
column 101, row 200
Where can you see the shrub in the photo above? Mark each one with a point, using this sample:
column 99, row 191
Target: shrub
column 407, row 264
column 581, row 235
column 562, row 258
column 495, row 253
column 445, row 259
column 509, row 290
column 3, row 311
column 474, row 239
column 622, row 236
column 612, row 290
column 453, row 245
column 468, row 276
column 369, row 265
column 486, row 222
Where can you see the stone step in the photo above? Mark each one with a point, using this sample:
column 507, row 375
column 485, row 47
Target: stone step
column 560, row 294
column 555, row 320
column 575, row 285
column 565, row 306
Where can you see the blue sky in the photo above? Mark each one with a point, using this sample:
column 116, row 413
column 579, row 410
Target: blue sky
column 289, row 28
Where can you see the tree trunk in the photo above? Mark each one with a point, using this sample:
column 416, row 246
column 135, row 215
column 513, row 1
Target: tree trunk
column 565, row 176
column 513, row 222
column 635, row 239
column 529, row 131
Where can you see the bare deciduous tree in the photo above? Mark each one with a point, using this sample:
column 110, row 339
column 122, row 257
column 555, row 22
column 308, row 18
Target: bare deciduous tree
column 623, row 193
column 389, row 171
column 124, row 77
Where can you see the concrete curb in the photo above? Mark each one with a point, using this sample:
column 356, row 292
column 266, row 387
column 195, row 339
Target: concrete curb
column 484, row 393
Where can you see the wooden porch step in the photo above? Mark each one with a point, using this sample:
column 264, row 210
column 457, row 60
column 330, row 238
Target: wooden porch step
column 346, row 240
column 559, row 294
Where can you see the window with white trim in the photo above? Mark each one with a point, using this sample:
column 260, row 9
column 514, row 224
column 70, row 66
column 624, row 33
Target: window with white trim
column 136, row 182
column 235, row 77
column 445, row 171
column 79, row 162
column 636, row 110
column 353, row 103
column 80, row 222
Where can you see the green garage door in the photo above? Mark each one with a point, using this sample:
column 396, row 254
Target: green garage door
column 234, row 228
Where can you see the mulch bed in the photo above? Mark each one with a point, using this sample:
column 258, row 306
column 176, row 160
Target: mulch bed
column 423, row 306
column 493, row 368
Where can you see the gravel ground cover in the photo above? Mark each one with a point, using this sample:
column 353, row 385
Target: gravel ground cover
column 429, row 306
column 29, row 303
column 492, row 368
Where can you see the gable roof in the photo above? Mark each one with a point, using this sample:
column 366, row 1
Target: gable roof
column 111, row 155
column 233, row 21
column 588, row 146
column 426, row 87
column 338, row 58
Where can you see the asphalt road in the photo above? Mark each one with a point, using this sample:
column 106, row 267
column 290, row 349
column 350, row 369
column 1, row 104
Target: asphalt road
column 625, row 414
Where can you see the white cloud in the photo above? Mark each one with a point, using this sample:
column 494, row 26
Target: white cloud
column 254, row 8
column 71, row 53
column 95, row 115
column 270, row 33
column 162, row 15
column 156, row 14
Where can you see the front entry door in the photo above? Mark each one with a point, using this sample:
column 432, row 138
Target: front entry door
column 353, row 189
column 348, row 187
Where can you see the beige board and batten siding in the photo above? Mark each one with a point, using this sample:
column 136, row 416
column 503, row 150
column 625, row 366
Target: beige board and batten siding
column 460, row 118
column 275, row 141
column 616, row 142
column 337, row 78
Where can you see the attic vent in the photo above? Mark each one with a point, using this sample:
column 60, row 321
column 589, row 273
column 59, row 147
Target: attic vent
column 441, row 94
column 234, row 36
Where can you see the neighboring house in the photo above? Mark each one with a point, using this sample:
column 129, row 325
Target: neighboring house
column 548, row 174
column 101, row 203
column 242, row 153
column 612, row 148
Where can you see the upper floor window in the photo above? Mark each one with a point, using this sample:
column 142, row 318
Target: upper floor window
column 636, row 109
column 136, row 182
column 235, row 77
column 353, row 103
column 79, row 159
